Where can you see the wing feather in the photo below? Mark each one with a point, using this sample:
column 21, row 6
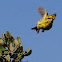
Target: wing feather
column 43, row 12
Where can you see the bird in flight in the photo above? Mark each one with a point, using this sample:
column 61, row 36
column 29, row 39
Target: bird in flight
column 46, row 22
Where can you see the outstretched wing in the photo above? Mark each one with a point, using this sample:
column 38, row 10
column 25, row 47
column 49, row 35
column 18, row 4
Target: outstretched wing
column 43, row 12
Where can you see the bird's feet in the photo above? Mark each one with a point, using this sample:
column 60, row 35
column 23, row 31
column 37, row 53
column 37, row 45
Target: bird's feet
column 42, row 30
column 37, row 31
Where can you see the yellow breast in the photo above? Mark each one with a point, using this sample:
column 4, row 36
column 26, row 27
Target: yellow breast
column 43, row 23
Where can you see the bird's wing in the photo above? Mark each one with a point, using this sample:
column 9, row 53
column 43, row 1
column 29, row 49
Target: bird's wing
column 43, row 12
column 53, row 16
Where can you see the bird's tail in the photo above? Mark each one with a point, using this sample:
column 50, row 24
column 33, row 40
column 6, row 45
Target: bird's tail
column 35, row 28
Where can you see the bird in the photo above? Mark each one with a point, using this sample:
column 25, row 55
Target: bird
column 46, row 22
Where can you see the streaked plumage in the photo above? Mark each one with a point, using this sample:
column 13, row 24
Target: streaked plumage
column 46, row 22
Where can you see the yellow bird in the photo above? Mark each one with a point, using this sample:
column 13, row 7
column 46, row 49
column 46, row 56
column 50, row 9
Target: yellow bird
column 46, row 22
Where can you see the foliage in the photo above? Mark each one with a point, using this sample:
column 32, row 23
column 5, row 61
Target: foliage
column 11, row 48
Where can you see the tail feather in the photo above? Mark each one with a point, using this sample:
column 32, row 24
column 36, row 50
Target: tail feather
column 34, row 28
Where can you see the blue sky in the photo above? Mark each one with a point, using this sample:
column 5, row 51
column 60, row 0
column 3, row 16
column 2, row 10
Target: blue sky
column 19, row 16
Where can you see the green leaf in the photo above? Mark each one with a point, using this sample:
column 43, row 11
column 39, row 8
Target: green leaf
column 1, row 42
column 28, row 49
column 22, row 54
column 8, row 32
column 0, row 52
column 2, row 48
column 28, row 52
column 27, row 61
column 7, row 57
column 5, row 52
column 19, row 39
column 19, row 49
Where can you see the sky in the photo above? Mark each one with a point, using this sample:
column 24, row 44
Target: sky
column 19, row 16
